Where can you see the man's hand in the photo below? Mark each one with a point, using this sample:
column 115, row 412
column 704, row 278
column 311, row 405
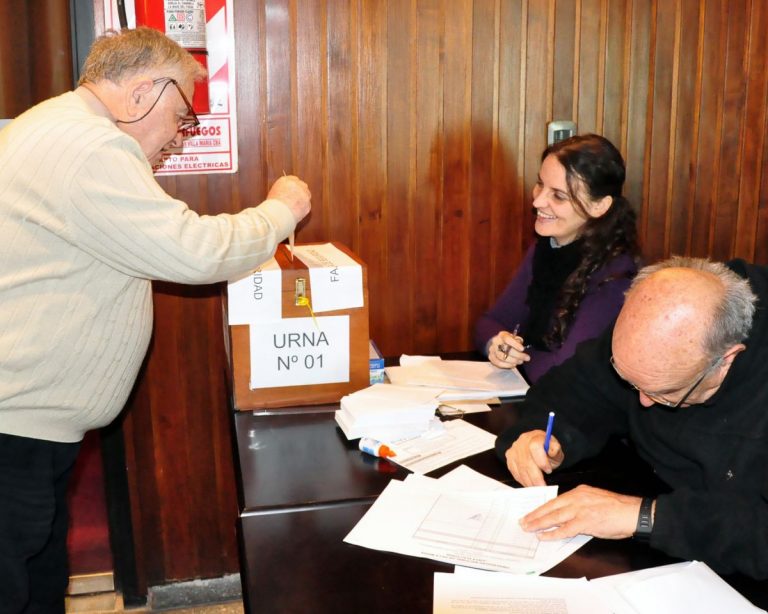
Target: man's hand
column 527, row 461
column 585, row 510
column 294, row 193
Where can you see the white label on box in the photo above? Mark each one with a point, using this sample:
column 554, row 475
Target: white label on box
column 257, row 296
column 300, row 352
column 336, row 280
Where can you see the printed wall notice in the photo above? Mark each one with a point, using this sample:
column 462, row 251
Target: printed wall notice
column 299, row 352
column 185, row 22
column 201, row 26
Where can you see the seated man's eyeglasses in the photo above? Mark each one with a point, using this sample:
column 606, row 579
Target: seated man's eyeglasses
column 663, row 400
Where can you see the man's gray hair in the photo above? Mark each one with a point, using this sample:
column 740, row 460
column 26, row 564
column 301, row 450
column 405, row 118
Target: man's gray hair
column 117, row 55
column 732, row 320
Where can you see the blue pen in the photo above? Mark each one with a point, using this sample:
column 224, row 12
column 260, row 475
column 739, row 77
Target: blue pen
column 548, row 436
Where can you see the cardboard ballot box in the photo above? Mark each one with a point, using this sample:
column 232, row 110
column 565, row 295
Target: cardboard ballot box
column 289, row 346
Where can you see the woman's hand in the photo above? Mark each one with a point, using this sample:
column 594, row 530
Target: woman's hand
column 506, row 350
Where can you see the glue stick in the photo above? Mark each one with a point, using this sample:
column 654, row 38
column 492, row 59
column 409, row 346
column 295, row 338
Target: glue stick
column 376, row 448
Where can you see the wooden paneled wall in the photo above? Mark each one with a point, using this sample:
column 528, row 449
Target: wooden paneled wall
column 418, row 125
column 35, row 53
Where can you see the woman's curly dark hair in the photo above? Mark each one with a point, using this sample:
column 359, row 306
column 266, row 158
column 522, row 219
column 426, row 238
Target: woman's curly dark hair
column 594, row 169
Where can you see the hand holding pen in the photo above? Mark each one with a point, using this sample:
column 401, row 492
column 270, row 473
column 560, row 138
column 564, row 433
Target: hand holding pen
column 507, row 350
column 533, row 454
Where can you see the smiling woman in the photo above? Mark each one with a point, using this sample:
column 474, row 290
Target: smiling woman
column 571, row 283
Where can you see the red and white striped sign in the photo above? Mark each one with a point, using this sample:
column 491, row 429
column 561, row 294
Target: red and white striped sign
column 211, row 147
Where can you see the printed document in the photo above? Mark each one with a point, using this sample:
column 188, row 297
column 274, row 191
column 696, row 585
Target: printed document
column 458, row 439
column 422, row 517
column 669, row 589
column 500, row 593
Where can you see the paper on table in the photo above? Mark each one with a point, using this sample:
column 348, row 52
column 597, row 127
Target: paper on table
column 457, row 408
column 481, row 378
column 468, row 480
column 387, row 412
column 477, row 529
column 465, row 479
column 380, row 402
column 457, row 440
column 671, row 589
column 336, row 279
column 407, row 360
column 504, row 594
column 388, row 431
column 474, row 398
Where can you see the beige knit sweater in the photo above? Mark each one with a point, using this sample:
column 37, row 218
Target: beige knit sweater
column 84, row 227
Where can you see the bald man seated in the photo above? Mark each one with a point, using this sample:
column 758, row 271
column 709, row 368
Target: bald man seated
column 682, row 374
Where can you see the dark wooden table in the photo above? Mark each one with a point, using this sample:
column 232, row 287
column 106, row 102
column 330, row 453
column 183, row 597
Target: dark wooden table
column 302, row 487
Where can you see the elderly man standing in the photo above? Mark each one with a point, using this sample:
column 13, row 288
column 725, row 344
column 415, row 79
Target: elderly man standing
column 84, row 228
column 684, row 375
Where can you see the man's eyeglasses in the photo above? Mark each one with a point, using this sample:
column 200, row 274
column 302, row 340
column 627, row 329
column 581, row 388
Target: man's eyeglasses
column 190, row 120
column 661, row 399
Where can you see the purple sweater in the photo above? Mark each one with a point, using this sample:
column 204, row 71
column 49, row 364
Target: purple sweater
column 598, row 308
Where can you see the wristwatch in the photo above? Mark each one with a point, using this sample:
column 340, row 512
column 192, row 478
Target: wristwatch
column 644, row 520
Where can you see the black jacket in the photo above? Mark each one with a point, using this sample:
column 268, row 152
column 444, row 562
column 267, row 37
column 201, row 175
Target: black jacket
column 713, row 456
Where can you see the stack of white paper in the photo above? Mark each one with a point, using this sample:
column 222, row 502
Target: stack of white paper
column 387, row 412
column 458, row 379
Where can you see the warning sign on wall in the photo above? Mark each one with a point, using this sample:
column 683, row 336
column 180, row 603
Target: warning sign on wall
column 197, row 25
